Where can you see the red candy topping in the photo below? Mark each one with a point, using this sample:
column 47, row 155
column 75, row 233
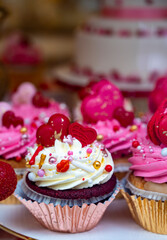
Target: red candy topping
column 8, row 180
column 9, row 119
column 108, row 168
column 157, row 126
column 116, row 128
column 18, row 158
column 32, row 161
column 40, row 101
column 85, row 135
column 124, row 117
column 63, row 166
column 56, row 128
column 135, row 144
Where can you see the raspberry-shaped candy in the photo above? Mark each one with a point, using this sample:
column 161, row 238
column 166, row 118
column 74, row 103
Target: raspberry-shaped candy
column 124, row 117
column 8, row 180
column 40, row 101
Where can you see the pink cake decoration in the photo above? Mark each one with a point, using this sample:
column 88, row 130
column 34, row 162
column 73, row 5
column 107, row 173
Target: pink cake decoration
column 100, row 105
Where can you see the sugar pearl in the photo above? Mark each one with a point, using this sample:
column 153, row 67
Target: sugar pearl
column 139, row 147
column 41, row 173
column 52, row 160
column 89, row 150
column 164, row 152
column 31, row 176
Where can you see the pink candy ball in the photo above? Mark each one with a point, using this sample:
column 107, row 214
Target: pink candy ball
column 41, row 173
column 89, row 150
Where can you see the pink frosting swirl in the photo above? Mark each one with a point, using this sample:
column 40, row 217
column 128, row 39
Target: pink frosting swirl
column 118, row 142
column 13, row 143
column 30, row 113
column 148, row 161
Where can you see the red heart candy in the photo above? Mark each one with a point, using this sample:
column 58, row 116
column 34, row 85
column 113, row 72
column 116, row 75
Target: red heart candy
column 85, row 135
column 18, row 121
column 101, row 104
column 57, row 127
column 124, row 117
column 9, row 119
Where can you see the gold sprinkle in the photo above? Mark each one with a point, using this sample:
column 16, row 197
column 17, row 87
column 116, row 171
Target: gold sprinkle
column 133, row 128
column 96, row 164
column 99, row 137
column 43, row 156
column 102, row 160
column 27, row 164
column 23, row 130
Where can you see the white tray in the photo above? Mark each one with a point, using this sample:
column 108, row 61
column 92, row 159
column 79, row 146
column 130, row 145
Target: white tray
column 116, row 224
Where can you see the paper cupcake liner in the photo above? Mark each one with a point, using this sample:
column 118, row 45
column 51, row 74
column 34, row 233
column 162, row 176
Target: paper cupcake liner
column 33, row 195
column 66, row 219
column 146, row 194
column 148, row 213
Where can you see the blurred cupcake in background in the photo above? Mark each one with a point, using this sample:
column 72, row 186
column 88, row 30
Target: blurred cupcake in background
column 145, row 189
column 158, row 94
column 68, row 172
column 22, row 60
column 105, row 109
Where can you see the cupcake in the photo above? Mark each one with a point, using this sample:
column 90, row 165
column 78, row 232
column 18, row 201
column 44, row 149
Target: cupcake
column 68, row 172
column 105, row 109
column 19, row 121
column 8, row 181
column 145, row 187
column 22, row 60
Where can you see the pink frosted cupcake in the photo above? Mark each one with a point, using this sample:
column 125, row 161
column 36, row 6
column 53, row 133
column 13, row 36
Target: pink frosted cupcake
column 146, row 186
column 104, row 110
column 22, row 60
column 19, row 121
column 68, row 171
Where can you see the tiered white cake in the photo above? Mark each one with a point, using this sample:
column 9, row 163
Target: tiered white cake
column 127, row 43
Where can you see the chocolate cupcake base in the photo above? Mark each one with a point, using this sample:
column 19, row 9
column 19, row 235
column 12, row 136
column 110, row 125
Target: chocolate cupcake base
column 71, row 197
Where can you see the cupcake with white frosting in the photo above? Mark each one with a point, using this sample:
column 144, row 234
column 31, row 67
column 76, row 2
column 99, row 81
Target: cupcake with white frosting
column 68, row 169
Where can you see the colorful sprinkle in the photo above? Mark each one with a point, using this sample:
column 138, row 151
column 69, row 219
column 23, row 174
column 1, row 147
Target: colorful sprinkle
column 70, row 152
column 108, row 168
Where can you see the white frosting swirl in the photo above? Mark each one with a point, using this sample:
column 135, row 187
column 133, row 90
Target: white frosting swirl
column 81, row 172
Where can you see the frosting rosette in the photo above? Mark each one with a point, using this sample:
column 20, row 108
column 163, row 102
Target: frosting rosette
column 15, row 140
column 118, row 139
column 149, row 161
column 70, row 166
